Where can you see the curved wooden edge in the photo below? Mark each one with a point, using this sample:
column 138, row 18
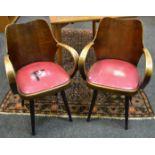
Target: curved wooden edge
column 112, row 90
column 10, row 73
column 74, row 54
column 14, row 19
column 46, row 92
column 82, row 59
column 148, row 68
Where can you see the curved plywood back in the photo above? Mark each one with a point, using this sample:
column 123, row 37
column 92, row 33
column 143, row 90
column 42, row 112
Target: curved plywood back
column 30, row 42
column 119, row 39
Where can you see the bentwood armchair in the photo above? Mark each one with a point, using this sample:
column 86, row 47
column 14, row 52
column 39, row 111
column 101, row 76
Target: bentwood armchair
column 30, row 66
column 118, row 46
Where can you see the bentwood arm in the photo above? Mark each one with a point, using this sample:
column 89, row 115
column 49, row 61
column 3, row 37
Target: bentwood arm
column 82, row 59
column 148, row 68
column 74, row 55
column 10, row 73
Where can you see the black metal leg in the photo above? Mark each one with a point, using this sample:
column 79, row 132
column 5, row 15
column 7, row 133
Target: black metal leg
column 66, row 105
column 32, row 113
column 92, row 104
column 127, row 99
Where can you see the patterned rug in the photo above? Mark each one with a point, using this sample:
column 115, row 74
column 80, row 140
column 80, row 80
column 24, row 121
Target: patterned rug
column 79, row 96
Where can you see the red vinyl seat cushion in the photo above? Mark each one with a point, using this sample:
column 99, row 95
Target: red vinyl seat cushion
column 114, row 74
column 40, row 76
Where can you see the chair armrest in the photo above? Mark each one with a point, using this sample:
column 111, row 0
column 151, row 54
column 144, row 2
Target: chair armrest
column 148, row 68
column 82, row 59
column 74, row 54
column 10, row 73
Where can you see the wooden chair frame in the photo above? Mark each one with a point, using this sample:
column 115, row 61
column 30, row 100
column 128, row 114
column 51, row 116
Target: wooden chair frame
column 11, row 76
column 128, row 94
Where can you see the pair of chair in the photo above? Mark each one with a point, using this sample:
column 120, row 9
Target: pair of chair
column 32, row 72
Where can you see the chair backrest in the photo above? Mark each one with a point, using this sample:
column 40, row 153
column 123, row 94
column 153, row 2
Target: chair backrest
column 30, row 42
column 119, row 39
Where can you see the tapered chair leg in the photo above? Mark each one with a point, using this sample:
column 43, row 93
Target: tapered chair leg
column 22, row 102
column 32, row 113
column 56, row 95
column 66, row 104
column 127, row 99
column 92, row 104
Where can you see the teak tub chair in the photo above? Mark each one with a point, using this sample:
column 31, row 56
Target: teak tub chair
column 30, row 66
column 118, row 46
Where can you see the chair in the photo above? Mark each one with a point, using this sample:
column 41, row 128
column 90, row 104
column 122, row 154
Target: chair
column 118, row 46
column 30, row 66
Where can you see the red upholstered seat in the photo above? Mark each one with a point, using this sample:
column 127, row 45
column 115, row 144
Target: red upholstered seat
column 115, row 74
column 40, row 76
